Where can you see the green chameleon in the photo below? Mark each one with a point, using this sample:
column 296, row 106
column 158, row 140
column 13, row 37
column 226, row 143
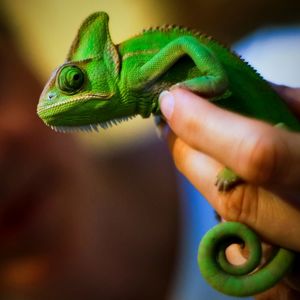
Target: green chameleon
column 102, row 84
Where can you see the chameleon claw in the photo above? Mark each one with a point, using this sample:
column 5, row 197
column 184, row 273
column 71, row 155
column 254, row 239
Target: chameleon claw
column 227, row 180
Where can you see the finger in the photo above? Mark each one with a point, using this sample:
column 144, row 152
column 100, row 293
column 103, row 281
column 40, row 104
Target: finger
column 198, row 168
column 201, row 171
column 246, row 203
column 258, row 152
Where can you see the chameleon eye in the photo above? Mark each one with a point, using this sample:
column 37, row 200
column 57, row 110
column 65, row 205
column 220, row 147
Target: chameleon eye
column 70, row 79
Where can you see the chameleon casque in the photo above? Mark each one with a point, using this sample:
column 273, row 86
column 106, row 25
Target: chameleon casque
column 102, row 84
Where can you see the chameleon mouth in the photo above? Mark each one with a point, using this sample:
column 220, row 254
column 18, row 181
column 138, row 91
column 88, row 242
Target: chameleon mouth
column 91, row 127
column 41, row 108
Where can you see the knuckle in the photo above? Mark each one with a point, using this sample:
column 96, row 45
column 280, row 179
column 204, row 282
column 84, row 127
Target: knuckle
column 261, row 156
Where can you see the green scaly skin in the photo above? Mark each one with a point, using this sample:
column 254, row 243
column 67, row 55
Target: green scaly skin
column 101, row 84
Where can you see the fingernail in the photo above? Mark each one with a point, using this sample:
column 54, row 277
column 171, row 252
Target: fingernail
column 166, row 102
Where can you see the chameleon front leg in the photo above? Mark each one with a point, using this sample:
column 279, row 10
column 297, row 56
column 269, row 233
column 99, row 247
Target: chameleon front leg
column 212, row 83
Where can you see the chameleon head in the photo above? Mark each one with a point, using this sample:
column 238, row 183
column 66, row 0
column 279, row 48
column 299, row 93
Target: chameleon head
column 78, row 95
column 83, row 92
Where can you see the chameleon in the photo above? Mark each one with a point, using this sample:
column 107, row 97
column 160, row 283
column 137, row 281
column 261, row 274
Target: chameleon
column 101, row 84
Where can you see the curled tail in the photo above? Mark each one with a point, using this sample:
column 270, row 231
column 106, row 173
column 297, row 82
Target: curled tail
column 242, row 280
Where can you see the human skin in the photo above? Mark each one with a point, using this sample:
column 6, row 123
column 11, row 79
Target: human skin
column 204, row 137
column 66, row 230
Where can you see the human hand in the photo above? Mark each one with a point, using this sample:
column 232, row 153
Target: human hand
column 205, row 137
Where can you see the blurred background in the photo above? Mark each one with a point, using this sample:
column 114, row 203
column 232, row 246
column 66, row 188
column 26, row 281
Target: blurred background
column 266, row 33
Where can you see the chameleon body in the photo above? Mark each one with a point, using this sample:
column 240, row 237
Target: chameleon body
column 101, row 84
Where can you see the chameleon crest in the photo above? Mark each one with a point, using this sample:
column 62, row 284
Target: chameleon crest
column 101, row 84
column 87, row 82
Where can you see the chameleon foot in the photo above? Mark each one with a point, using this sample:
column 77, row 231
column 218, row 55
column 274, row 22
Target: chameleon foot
column 227, row 179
